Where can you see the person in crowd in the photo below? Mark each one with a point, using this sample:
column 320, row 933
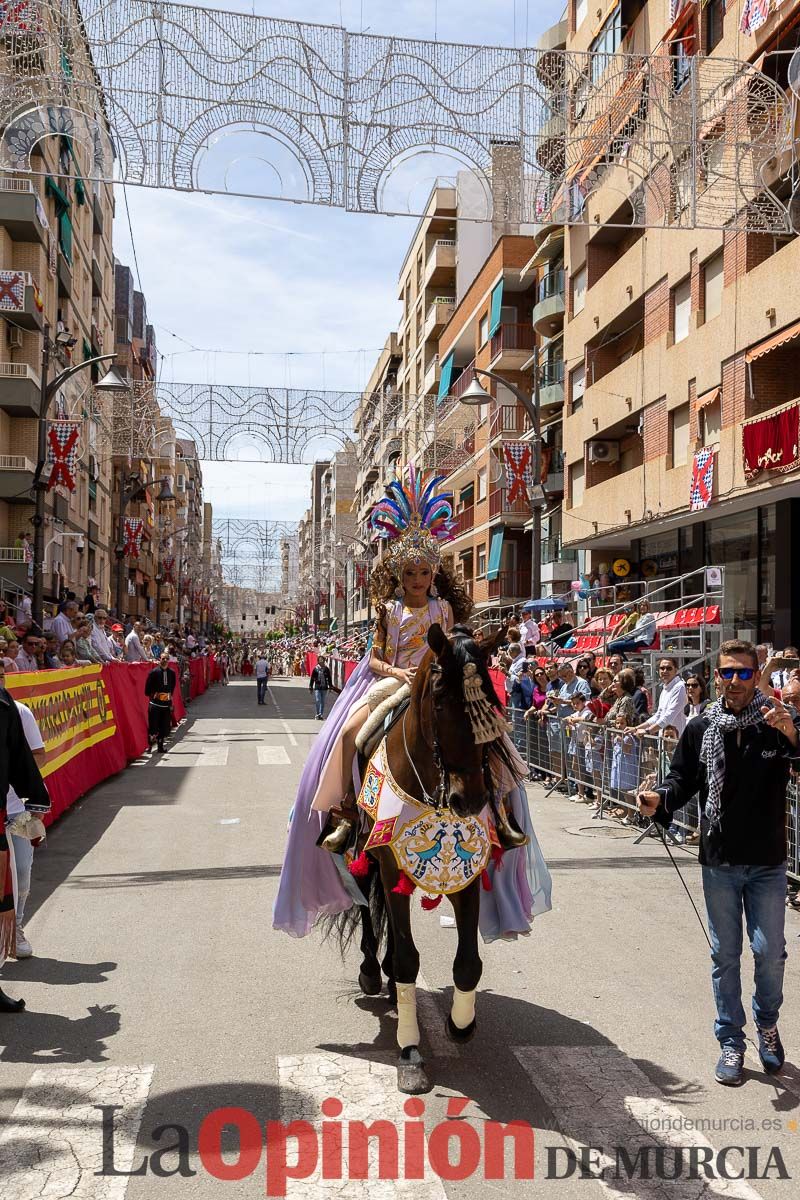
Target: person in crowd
column 84, row 642
column 23, row 846
column 557, row 708
column 63, row 625
column 671, row 701
column 615, row 663
column 51, row 646
column 579, row 750
column 520, row 696
column 780, row 677
column 320, row 683
column 642, row 635
column 24, row 616
column 697, row 697
column 262, row 677
column 622, row 717
column 641, row 697
column 7, row 627
column 563, row 631
column 537, row 741
column 529, row 629
column 116, row 642
column 762, row 650
column 159, row 688
column 68, row 654
column 11, row 655
column 582, row 670
column 134, row 650
column 91, row 601
column 602, row 697
column 27, row 659
column 101, row 642
column 737, row 756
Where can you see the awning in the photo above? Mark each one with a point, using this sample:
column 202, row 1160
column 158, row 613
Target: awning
column 51, row 188
column 495, row 551
column 497, row 307
column 708, row 398
column 772, row 343
column 446, row 376
column 551, row 247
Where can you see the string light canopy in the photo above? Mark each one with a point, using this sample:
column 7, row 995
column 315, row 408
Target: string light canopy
column 169, row 96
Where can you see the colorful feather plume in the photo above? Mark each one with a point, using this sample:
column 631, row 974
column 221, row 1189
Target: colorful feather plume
column 414, row 518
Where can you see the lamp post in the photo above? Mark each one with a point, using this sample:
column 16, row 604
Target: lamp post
column 477, row 394
column 112, row 381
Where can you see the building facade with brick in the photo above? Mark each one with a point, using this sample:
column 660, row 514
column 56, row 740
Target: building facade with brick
column 679, row 341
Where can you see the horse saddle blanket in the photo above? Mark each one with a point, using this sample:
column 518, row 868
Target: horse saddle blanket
column 439, row 851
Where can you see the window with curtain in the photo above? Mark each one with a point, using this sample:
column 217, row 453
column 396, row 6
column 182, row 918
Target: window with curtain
column 481, row 560
column 483, row 330
column 577, row 481
column 714, row 277
column 578, row 386
column 679, row 420
column 712, row 423
column 607, row 42
column 682, row 300
column 579, row 290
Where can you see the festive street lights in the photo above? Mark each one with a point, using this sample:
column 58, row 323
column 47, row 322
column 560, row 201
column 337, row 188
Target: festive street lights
column 476, row 394
column 112, row 381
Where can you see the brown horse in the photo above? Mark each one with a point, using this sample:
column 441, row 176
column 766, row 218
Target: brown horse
column 434, row 757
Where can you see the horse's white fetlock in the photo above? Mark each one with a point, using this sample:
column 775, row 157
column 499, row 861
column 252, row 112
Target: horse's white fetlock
column 407, row 1027
column 462, row 1014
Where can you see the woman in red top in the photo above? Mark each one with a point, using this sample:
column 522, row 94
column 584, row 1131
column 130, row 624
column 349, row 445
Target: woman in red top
column 601, row 702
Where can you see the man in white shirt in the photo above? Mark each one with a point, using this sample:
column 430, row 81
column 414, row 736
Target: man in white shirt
column 671, row 702
column 262, row 677
column 134, row 650
column 26, row 658
column 63, row 626
column 23, row 847
column 100, row 639
column 530, row 634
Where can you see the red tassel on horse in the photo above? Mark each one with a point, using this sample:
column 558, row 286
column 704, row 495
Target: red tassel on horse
column 486, row 882
column 428, row 903
column 360, row 866
column 497, row 856
column 404, row 886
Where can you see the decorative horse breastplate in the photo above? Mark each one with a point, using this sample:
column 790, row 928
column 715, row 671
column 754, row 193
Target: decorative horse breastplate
column 439, row 851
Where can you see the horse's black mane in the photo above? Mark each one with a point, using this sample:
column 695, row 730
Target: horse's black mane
column 467, row 650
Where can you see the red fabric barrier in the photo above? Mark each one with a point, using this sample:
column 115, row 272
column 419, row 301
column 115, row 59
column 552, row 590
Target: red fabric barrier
column 499, row 681
column 198, row 677
column 93, row 721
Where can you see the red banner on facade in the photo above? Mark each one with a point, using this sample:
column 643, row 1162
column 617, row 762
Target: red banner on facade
column 772, row 443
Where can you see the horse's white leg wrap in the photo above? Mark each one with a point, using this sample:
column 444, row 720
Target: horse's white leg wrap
column 462, row 1013
column 407, row 1027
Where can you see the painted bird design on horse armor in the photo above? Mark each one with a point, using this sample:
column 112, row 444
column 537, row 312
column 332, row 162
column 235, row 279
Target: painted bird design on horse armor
column 466, row 850
column 429, row 853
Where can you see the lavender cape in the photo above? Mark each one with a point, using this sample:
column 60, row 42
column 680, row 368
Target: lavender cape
column 311, row 886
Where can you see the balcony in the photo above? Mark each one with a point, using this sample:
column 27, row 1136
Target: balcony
column 551, row 383
column 464, row 521
column 97, row 277
column 548, row 313
column 441, row 263
column 20, row 300
column 16, row 478
column 512, row 346
column 553, row 551
column 438, row 314
column 500, row 508
column 97, row 214
column 510, row 585
column 466, row 377
column 431, row 376
column 551, row 143
column 13, row 566
column 554, row 481
column 508, row 418
column 21, row 212
column 20, row 390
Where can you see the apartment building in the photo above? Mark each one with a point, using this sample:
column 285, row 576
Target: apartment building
column 682, row 340
column 314, row 567
column 56, row 279
column 338, row 528
column 189, row 536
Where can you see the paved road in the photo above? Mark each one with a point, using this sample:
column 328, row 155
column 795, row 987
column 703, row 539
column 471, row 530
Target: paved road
column 159, row 987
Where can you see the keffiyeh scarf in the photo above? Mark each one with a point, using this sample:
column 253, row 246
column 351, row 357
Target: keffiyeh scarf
column 712, row 751
column 8, row 926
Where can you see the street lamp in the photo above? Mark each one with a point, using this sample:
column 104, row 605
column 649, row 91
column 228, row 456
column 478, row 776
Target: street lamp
column 477, row 394
column 112, row 381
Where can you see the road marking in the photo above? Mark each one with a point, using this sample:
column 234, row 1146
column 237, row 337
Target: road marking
column 52, row 1143
column 368, row 1092
column 286, row 727
column 600, row 1098
column 204, row 756
column 272, row 756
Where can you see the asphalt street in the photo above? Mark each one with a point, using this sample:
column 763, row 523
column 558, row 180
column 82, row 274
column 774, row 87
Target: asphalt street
column 159, row 992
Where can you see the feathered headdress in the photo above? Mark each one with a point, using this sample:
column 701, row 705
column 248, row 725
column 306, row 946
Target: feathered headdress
column 414, row 520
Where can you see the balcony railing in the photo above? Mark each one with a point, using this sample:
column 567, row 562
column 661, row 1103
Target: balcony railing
column 16, row 462
column 439, row 244
column 552, row 551
column 552, row 372
column 509, row 418
column 551, row 285
column 12, row 554
column 513, row 337
column 515, row 585
column 465, row 520
column 499, row 504
column 466, row 377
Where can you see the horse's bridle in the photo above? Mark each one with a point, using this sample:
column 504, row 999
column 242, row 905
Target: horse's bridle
column 438, row 800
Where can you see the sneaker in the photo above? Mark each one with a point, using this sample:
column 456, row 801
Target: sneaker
column 770, row 1049
column 24, row 948
column 730, row 1067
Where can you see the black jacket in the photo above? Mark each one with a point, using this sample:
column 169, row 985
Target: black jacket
column 320, row 678
column 752, row 826
column 18, row 767
column 158, row 682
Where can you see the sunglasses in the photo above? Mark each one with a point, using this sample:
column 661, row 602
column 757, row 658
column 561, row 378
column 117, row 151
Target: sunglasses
column 693, row 685
column 744, row 673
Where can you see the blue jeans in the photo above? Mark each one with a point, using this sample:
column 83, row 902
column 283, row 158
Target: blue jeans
column 620, row 645
column 23, row 864
column 319, row 700
column 759, row 892
column 261, row 689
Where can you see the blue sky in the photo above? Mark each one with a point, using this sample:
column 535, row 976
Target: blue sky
column 228, row 274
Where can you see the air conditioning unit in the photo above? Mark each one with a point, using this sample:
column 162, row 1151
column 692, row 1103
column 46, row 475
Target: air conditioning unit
column 14, row 337
column 606, row 452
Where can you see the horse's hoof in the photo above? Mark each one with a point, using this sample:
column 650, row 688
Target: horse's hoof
column 460, row 1035
column 370, row 984
column 411, row 1077
column 391, row 992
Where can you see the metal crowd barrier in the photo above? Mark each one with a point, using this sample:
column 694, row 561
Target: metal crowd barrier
column 608, row 767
